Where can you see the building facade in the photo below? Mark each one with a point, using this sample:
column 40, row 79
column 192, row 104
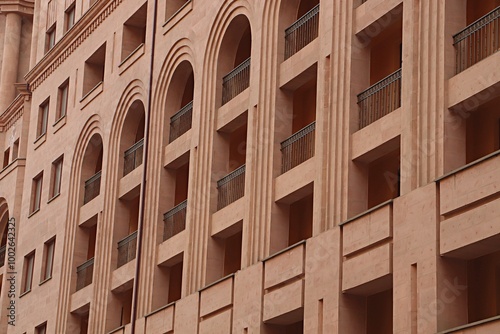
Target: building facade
column 237, row 166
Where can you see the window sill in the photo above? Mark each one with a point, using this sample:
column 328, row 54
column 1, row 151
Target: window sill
column 53, row 197
column 92, row 94
column 24, row 293
column 33, row 213
column 40, row 140
column 131, row 58
column 45, row 281
column 59, row 123
column 177, row 16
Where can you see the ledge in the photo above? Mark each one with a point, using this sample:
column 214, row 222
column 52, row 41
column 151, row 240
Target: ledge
column 164, row 307
column 59, row 124
column 19, row 162
column 40, row 140
column 471, row 325
column 216, row 282
column 376, row 207
column 54, row 197
column 467, row 166
column 284, row 250
column 177, row 16
column 92, row 94
column 131, row 58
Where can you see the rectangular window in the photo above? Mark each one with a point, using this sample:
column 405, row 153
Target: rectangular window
column 6, row 156
column 36, row 195
column 29, row 261
column 15, row 150
column 50, row 38
column 93, row 72
column 55, row 188
column 48, row 260
column 41, row 329
column 62, row 103
column 69, row 17
column 43, row 115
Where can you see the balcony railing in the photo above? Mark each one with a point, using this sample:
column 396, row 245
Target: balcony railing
column 92, row 188
column 180, row 123
column 84, row 273
column 133, row 157
column 174, row 220
column 126, row 249
column 297, row 148
column 2, row 255
column 231, row 187
column 478, row 40
column 302, row 32
column 236, row 81
column 380, row 99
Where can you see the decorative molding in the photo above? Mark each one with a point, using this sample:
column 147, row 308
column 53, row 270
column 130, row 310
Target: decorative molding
column 13, row 113
column 23, row 7
column 89, row 22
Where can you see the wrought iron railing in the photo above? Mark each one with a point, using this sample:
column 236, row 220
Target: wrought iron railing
column 92, row 188
column 231, row 187
column 380, row 99
column 236, row 81
column 297, row 148
column 133, row 157
column 84, row 274
column 126, row 249
column 180, row 123
column 2, row 255
column 478, row 40
column 174, row 220
column 302, row 32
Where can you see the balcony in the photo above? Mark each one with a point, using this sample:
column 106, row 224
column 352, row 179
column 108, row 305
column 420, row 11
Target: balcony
column 133, row 157
column 236, row 81
column 2, row 255
column 174, row 220
column 126, row 249
column 380, row 99
column 302, row 32
column 181, row 122
column 477, row 41
column 297, row 148
column 92, row 188
column 84, row 274
column 231, row 187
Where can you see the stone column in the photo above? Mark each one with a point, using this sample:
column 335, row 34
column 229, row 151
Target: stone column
column 10, row 64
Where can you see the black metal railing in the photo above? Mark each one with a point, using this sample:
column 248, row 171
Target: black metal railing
column 84, row 274
column 297, row 148
column 380, row 99
column 236, row 81
column 133, row 157
column 92, row 188
column 126, row 249
column 231, row 187
column 2, row 255
column 302, row 32
column 174, row 220
column 181, row 122
column 478, row 40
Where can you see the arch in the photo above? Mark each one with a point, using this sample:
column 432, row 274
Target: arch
column 179, row 102
column 128, row 122
column 235, row 49
column 4, row 219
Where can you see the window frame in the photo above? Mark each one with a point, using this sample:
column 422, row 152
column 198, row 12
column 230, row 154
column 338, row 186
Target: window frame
column 48, row 259
column 43, row 116
column 36, row 193
column 62, row 100
column 69, row 17
column 56, row 180
column 28, row 268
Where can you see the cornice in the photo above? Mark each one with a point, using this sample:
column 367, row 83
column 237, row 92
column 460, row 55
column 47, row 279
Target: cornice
column 23, row 7
column 13, row 112
column 70, row 42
